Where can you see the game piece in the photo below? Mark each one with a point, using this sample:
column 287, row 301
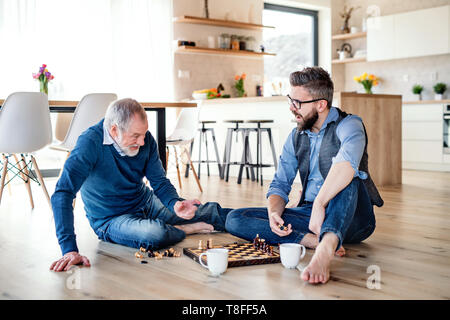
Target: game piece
column 144, row 262
column 139, row 255
column 150, row 253
column 209, row 243
column 256, row 241
column 200, row 244
column 284, row 228
column 141, row 249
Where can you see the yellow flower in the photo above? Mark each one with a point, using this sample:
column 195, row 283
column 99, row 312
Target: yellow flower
column 364, row 76
column 375, row 83
column 371, row 77
column 356, row 78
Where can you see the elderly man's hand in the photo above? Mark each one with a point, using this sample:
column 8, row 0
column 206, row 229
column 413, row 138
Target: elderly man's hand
column 186, row 209
column 68, row 260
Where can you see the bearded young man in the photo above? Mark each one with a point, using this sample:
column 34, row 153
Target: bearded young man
column 108, row 164
column 329, row 150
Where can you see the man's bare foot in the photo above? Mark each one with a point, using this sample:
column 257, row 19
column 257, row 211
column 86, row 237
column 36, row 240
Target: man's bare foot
column 197, row 227
column 318, row 269
column 340, row 252
column 311, row 241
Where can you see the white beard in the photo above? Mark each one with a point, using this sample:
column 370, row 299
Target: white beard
column 127, row 150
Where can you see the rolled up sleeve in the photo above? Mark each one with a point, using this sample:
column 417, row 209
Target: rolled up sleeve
column 286, row 172
column 353, row 141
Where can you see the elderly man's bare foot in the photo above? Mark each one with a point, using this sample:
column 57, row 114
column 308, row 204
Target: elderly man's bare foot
column 318, row 269
column 311, row 241
column 197, row 227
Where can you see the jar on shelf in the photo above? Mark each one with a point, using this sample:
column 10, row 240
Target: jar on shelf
column 242, row 43
column 224, row 41
column 251, row 41
column 234, row 42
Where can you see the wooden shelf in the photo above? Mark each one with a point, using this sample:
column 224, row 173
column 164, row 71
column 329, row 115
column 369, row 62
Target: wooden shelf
column 218, row 22
column 184, row 49
column 349, row 60
column 346, row 36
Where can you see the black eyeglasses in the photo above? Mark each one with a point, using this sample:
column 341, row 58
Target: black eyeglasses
column 297, row 104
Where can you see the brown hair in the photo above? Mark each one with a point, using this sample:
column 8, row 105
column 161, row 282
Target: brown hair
column 316, row 80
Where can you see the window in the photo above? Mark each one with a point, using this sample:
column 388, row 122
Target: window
column 294, row 40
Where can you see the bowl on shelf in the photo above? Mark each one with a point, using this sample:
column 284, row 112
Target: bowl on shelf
column 199, row 96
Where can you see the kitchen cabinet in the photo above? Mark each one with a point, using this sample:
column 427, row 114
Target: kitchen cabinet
column 380, row 38
column 422, row 136
column 409, row 34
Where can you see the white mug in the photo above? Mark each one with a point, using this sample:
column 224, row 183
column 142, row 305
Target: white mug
column 291, row 254
column 217, row 260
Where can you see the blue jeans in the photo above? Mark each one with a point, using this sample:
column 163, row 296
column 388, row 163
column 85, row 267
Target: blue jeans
column 349, row 215
column 153, row 225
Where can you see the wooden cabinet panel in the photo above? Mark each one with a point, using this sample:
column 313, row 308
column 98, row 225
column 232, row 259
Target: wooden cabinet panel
column 382, row 116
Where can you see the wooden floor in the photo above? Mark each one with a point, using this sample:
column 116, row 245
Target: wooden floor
column 410, row 246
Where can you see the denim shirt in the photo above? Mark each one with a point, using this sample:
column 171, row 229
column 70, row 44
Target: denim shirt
column 350, row 132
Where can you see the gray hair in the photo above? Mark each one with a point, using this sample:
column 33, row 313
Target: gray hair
column 121, row 111
column 316, row 80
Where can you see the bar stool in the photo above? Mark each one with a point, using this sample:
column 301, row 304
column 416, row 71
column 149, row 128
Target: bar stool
column 228, row 146
column 204, row 137
column 259, row 164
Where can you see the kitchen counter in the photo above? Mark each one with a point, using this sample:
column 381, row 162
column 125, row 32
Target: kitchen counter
column 444, row 101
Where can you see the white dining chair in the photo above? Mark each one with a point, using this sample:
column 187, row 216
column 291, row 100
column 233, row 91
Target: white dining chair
column 89, row 111
column 182, row 136
column 25, row 128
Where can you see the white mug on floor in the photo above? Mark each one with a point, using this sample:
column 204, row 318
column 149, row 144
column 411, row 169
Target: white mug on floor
column 291, row 254
column 217, row 260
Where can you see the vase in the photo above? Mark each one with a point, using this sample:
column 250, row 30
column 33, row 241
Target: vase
column 44, row 87
column 438, row 96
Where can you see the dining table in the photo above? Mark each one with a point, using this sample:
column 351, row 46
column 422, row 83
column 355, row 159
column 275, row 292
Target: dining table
column 64, row 106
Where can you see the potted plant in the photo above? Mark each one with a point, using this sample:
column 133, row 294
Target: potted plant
column 439, row 89
column 417, row 90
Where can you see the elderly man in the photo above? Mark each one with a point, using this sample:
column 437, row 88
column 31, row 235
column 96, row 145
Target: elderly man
column 329, row 150
column 108, row 164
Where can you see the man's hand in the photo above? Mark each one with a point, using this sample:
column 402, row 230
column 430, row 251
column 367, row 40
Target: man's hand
column 275, row 221
column 317, row 217
column 68, row 260
column 186, row 209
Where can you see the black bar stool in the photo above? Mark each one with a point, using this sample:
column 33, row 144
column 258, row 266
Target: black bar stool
column 227, row 152
column 247, row 162
column 204, row 137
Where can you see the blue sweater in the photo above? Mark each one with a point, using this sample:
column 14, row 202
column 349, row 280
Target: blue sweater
column 111, row 184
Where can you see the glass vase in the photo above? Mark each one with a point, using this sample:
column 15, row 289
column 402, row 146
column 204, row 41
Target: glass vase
column 44, row 87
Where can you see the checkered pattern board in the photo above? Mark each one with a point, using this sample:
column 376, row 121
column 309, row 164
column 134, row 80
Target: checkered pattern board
column 239, row 254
